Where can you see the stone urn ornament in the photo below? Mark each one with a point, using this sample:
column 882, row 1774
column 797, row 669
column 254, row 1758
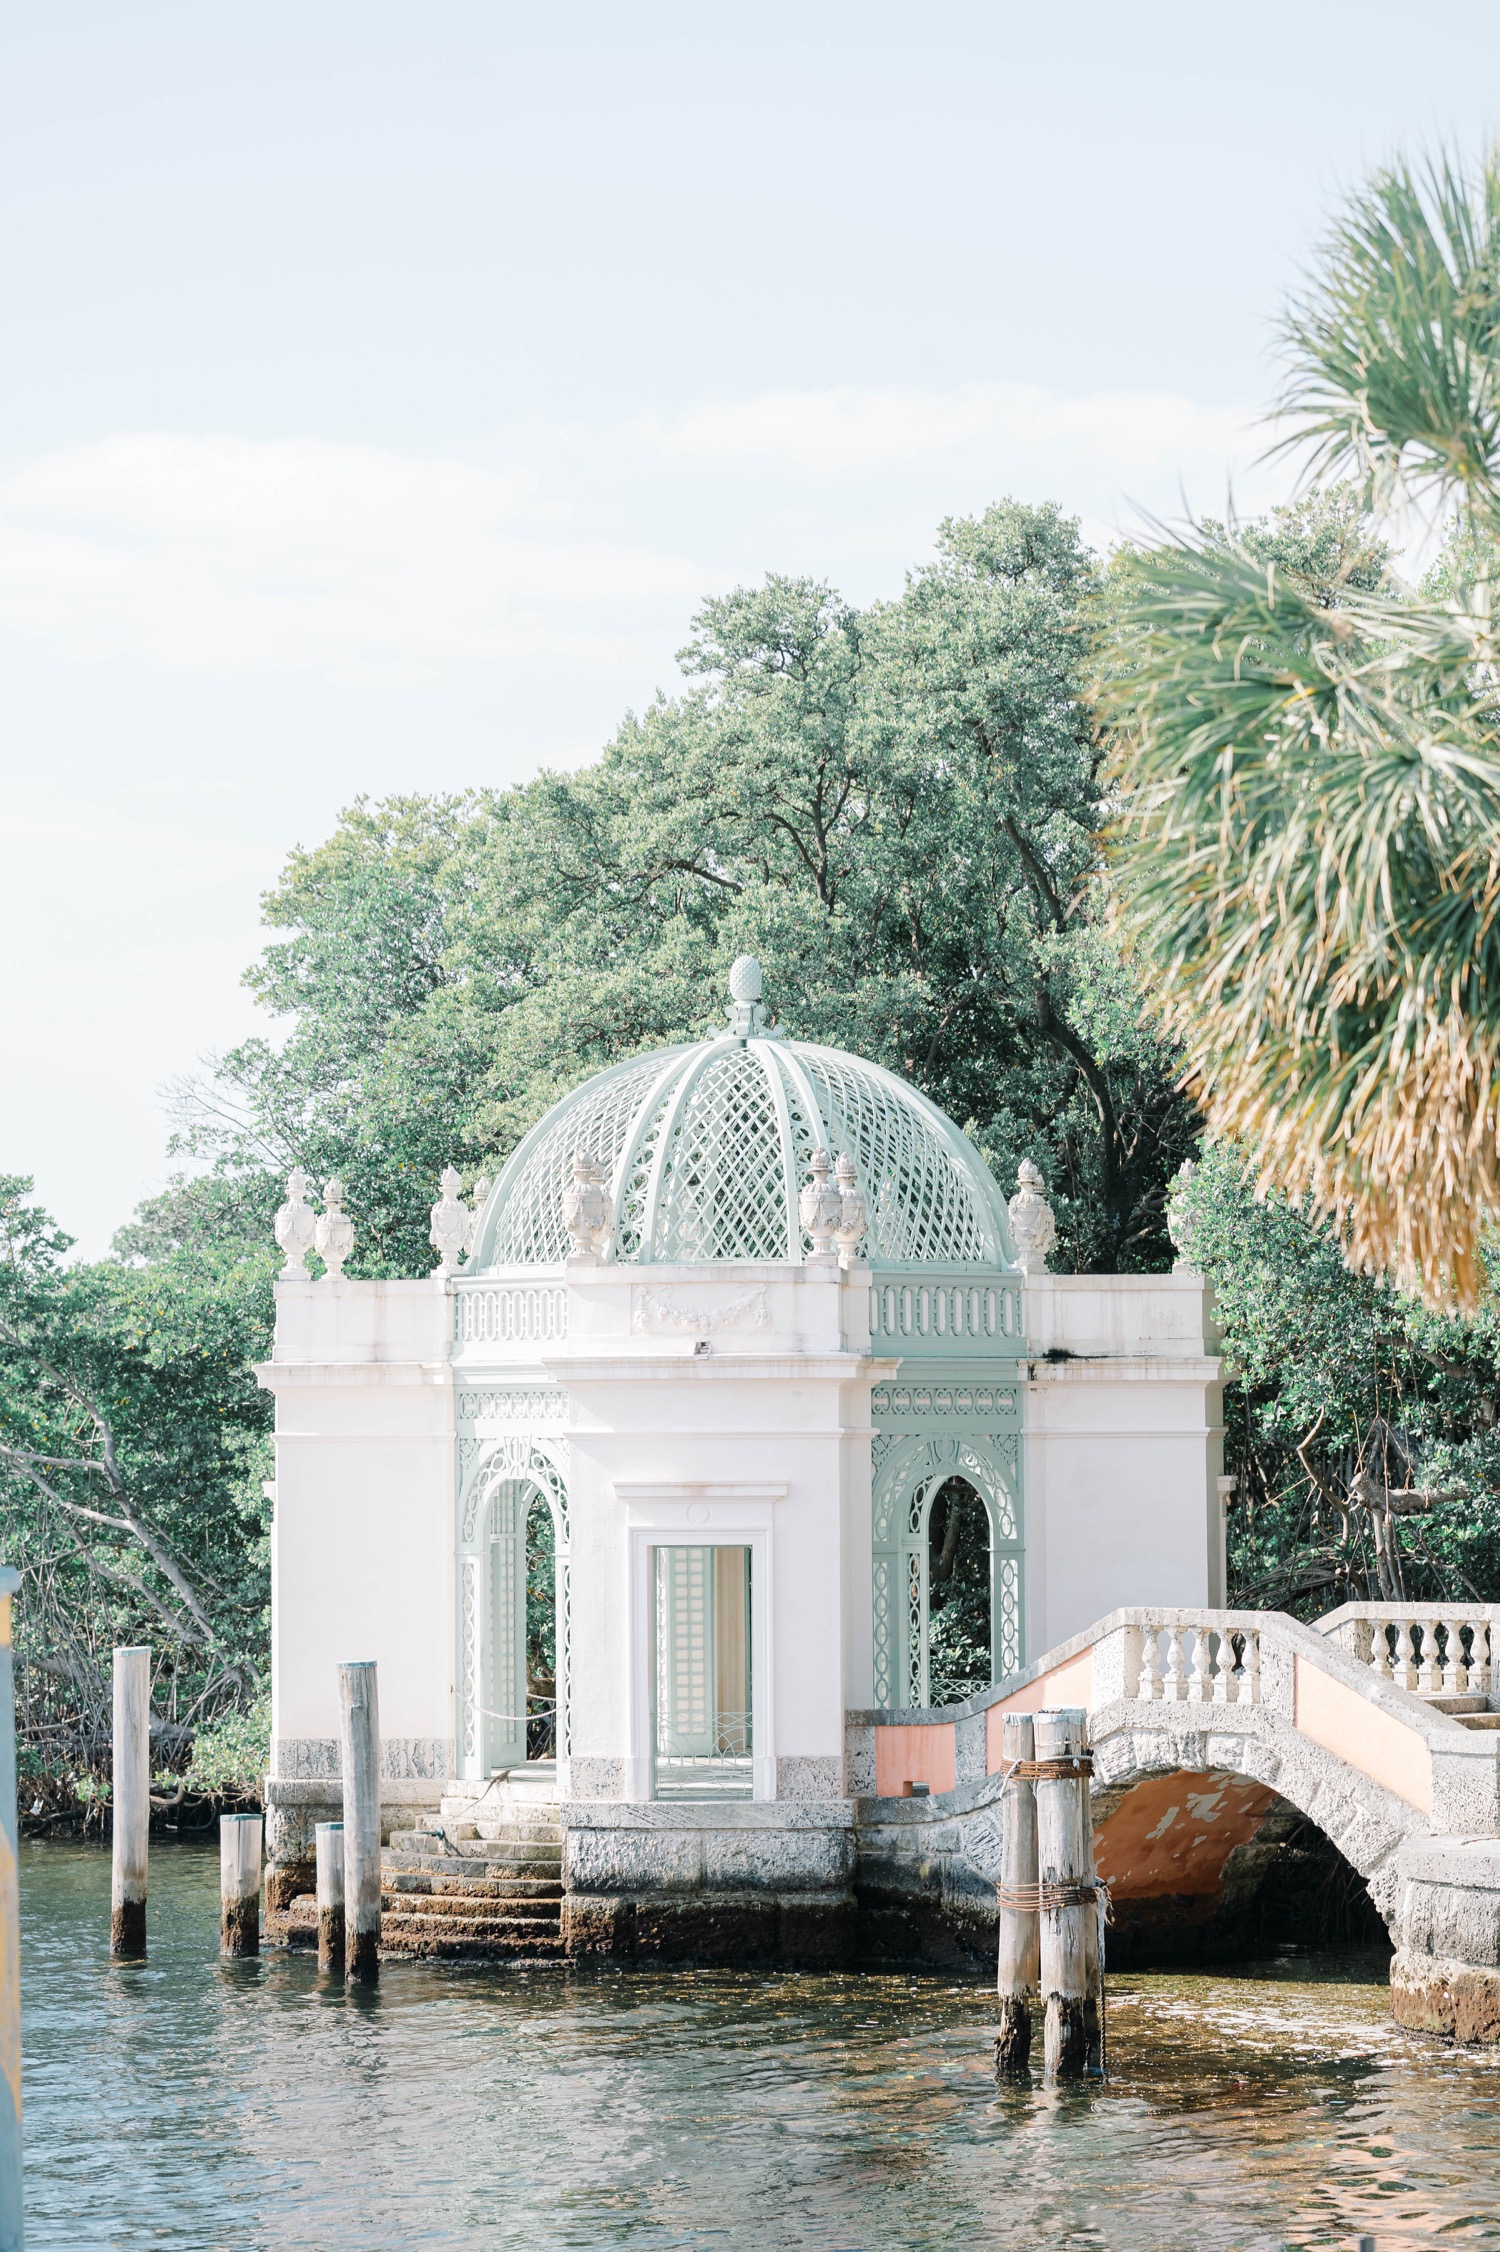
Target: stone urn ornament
column 296, row 1223
column 587, row 1208
column 1033, row 1229
column 334, row 1236
column 452, row 1226
column 747, row 1016
column 1181, row 1220
column 820, row 1207
column 854, row 1219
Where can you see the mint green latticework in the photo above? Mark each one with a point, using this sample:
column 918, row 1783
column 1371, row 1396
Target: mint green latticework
column 920, row 1193
column 597, row 1121
column 706, row 1149
column 723, row 1191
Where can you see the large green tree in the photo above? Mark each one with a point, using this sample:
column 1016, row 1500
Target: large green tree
column 897, row 809
column 132, row 1453
column 1363, row 1428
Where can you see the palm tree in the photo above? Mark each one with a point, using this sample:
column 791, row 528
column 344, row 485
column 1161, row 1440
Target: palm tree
column 1307, row 856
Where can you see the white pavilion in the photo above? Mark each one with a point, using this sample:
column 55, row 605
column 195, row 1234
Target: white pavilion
column 730, row 1321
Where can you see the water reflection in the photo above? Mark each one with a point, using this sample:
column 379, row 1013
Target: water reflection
column 187, row 2103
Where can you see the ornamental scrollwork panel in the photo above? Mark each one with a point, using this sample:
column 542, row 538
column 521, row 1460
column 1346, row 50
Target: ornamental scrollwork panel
column 513, row 1455
column 946, row 1401
column 544, row 1404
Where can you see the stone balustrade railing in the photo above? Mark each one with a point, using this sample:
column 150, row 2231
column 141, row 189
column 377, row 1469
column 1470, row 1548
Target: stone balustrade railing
column 1249, row 1673
column 1434, row 1650
column 1193, row 1661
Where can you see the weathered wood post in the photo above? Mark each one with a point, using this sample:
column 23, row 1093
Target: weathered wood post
column 131, row 1802
column 359, row 1704
column 10, row 1939
column 1020, row 1936
column 1067, row 1892
column 239, row 1884
column 329, row 1837
column 1093, row 1948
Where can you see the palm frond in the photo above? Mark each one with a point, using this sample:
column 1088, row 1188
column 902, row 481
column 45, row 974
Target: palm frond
column 1307, row 857
column 1394, row 372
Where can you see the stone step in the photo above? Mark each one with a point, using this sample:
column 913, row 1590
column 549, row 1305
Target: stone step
column 1459, row 1703
column 482, row 1888
column 434, row 1944
column 422, row 1853
column 476, row 1913
column 467, row 1868
column 453, row 1935
column 465, row 1838
column 518, row 1832
column 1483, row 1720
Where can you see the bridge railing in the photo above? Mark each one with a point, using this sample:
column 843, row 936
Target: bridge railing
column 1260, row 1671
column 1433, row 1650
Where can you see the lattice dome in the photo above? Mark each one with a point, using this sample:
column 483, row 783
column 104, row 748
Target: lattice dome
column 705, row 1148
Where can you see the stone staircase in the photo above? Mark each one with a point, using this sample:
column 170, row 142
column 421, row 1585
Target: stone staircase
column 482, row 1879
column 1470, row 1711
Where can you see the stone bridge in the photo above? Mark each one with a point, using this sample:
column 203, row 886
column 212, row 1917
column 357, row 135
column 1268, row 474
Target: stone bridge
column 1213, row 1731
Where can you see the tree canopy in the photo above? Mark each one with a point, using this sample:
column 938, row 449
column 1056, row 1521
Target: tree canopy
column 897, row 809
column 133, row 1447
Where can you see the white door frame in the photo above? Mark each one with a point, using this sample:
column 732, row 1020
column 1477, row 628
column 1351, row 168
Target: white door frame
column 706, row 1515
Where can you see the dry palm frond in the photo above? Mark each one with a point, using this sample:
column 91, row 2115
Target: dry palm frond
column 1308, row 857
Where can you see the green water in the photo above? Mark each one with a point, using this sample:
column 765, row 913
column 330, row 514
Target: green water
column 185, row 2103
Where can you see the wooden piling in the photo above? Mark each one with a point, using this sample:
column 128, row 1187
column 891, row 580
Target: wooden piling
column 359, row 1707
column 330, row 1849
column 10, row 1939
column 239, row 1884
column 1020, row 1935
column 130, row 1799
column 1093, row 1949
column 1067, row 1890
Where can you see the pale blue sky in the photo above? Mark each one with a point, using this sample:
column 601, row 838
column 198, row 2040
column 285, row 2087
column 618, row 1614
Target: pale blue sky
column 383, row 385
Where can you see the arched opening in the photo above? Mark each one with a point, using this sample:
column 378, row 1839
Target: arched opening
column 1205, row 1866
column 541, row 1628
column 960, row 1626
column 513, row 1619
column 947, row 1560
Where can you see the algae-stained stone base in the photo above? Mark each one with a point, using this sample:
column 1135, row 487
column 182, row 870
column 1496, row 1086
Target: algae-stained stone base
column 1439, row 1994
column 750, row 1928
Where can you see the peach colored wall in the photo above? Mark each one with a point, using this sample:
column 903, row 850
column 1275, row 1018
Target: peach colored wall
column 1068, row 1684
column 1347, row 1724
column 914, row 1755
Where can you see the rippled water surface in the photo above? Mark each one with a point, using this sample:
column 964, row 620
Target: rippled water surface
column 182, row 2103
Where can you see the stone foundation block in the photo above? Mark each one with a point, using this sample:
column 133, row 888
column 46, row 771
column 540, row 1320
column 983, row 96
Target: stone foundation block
column 1439, row 1994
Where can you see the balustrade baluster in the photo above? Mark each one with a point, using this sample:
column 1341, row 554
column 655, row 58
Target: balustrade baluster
column 1250, row 1670
column 1148, row 1686
column 1430, row 1679
column 1380, row 1649
column 1222, row 1691
column 1200, row 1688
column 1404, row 1671
column 1174, row 1680
column 1481, row 1672
column 1455, row 1669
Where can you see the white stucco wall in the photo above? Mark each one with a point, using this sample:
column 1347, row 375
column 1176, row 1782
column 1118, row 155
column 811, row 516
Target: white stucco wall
column 1123, row 1444
column 762, row 1436
column 731, row 1408
column 362, row 1547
